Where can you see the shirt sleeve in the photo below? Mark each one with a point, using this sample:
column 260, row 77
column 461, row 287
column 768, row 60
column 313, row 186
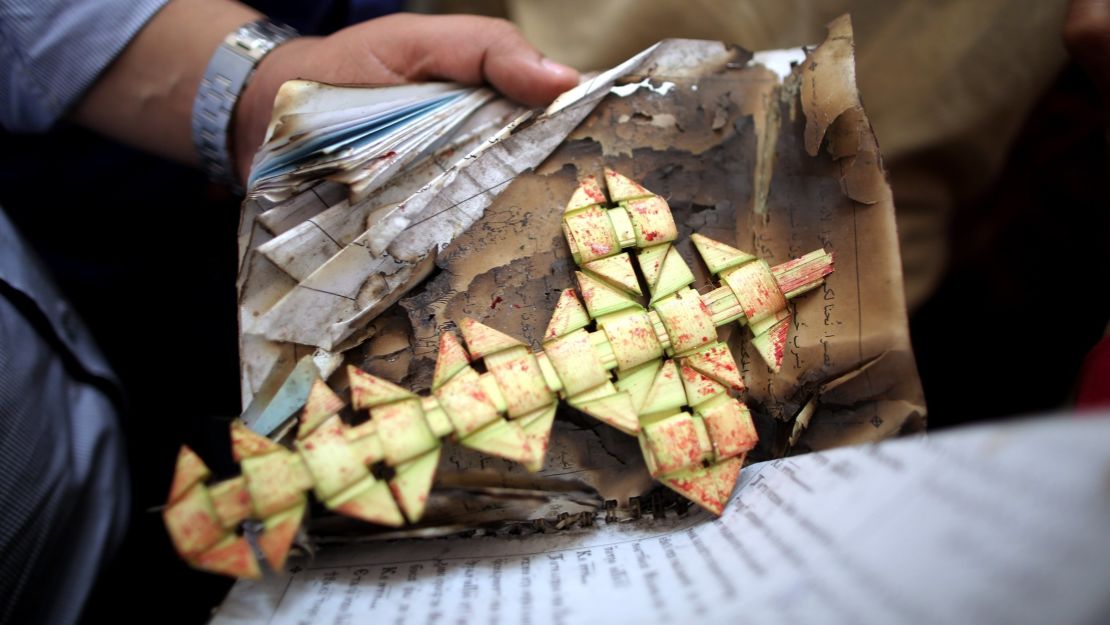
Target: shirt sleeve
column 51, row 52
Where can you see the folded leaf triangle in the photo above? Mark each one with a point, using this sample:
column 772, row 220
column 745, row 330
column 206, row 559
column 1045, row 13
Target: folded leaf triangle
column 413, row 482
column 246, row 443
column 278, row 535
column 588, row 193
column 369, row 391
column 716, row 361
column 569, row 316
column 189, row 470
column 617, row 271
column 504, row 439
column 537, row 428
column 622, row 188
column 602, row 299
column 616, row 410
column 666, row 393
column 369, row 500
column 483, row 340
column 232, row 557
column 451, row 359
column 717, row 255
column 772, row 344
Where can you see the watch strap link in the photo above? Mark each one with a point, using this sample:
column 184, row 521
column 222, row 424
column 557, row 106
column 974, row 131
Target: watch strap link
column 227, row 74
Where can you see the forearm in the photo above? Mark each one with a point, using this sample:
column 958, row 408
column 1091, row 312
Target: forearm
column 145, row 98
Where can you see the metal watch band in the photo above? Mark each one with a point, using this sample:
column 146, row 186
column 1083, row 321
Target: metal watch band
column 231, row 66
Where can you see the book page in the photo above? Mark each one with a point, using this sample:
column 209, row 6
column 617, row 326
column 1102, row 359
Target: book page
column 996, row 524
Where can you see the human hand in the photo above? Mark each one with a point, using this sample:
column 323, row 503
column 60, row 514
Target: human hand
column 395, row 49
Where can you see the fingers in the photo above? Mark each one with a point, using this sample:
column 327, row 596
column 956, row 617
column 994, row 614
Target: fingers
column 460, row 48
column 1087, row 36
column 472, row 50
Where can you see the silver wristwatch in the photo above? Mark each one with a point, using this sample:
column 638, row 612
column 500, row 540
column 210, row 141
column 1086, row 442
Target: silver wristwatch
column 231, row 66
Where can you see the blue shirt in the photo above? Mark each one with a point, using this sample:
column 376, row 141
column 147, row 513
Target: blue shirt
column 53, row 50
column 64, row 491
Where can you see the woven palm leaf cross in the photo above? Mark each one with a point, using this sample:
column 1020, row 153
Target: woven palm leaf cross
column 655, row 372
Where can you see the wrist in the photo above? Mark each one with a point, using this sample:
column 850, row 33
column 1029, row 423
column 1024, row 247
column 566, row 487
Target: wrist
column 251, row 117
column 230, row 70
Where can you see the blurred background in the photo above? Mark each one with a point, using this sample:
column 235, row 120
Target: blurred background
column 994, row 139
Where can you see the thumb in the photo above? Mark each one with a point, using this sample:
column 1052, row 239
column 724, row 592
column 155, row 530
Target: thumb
column 520, row 72
column 472, row 49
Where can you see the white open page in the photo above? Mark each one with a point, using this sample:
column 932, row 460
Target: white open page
column 998, row 524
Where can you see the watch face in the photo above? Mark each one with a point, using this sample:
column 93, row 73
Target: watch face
column 256, row 41
column 258, row 38
column 250, row 43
